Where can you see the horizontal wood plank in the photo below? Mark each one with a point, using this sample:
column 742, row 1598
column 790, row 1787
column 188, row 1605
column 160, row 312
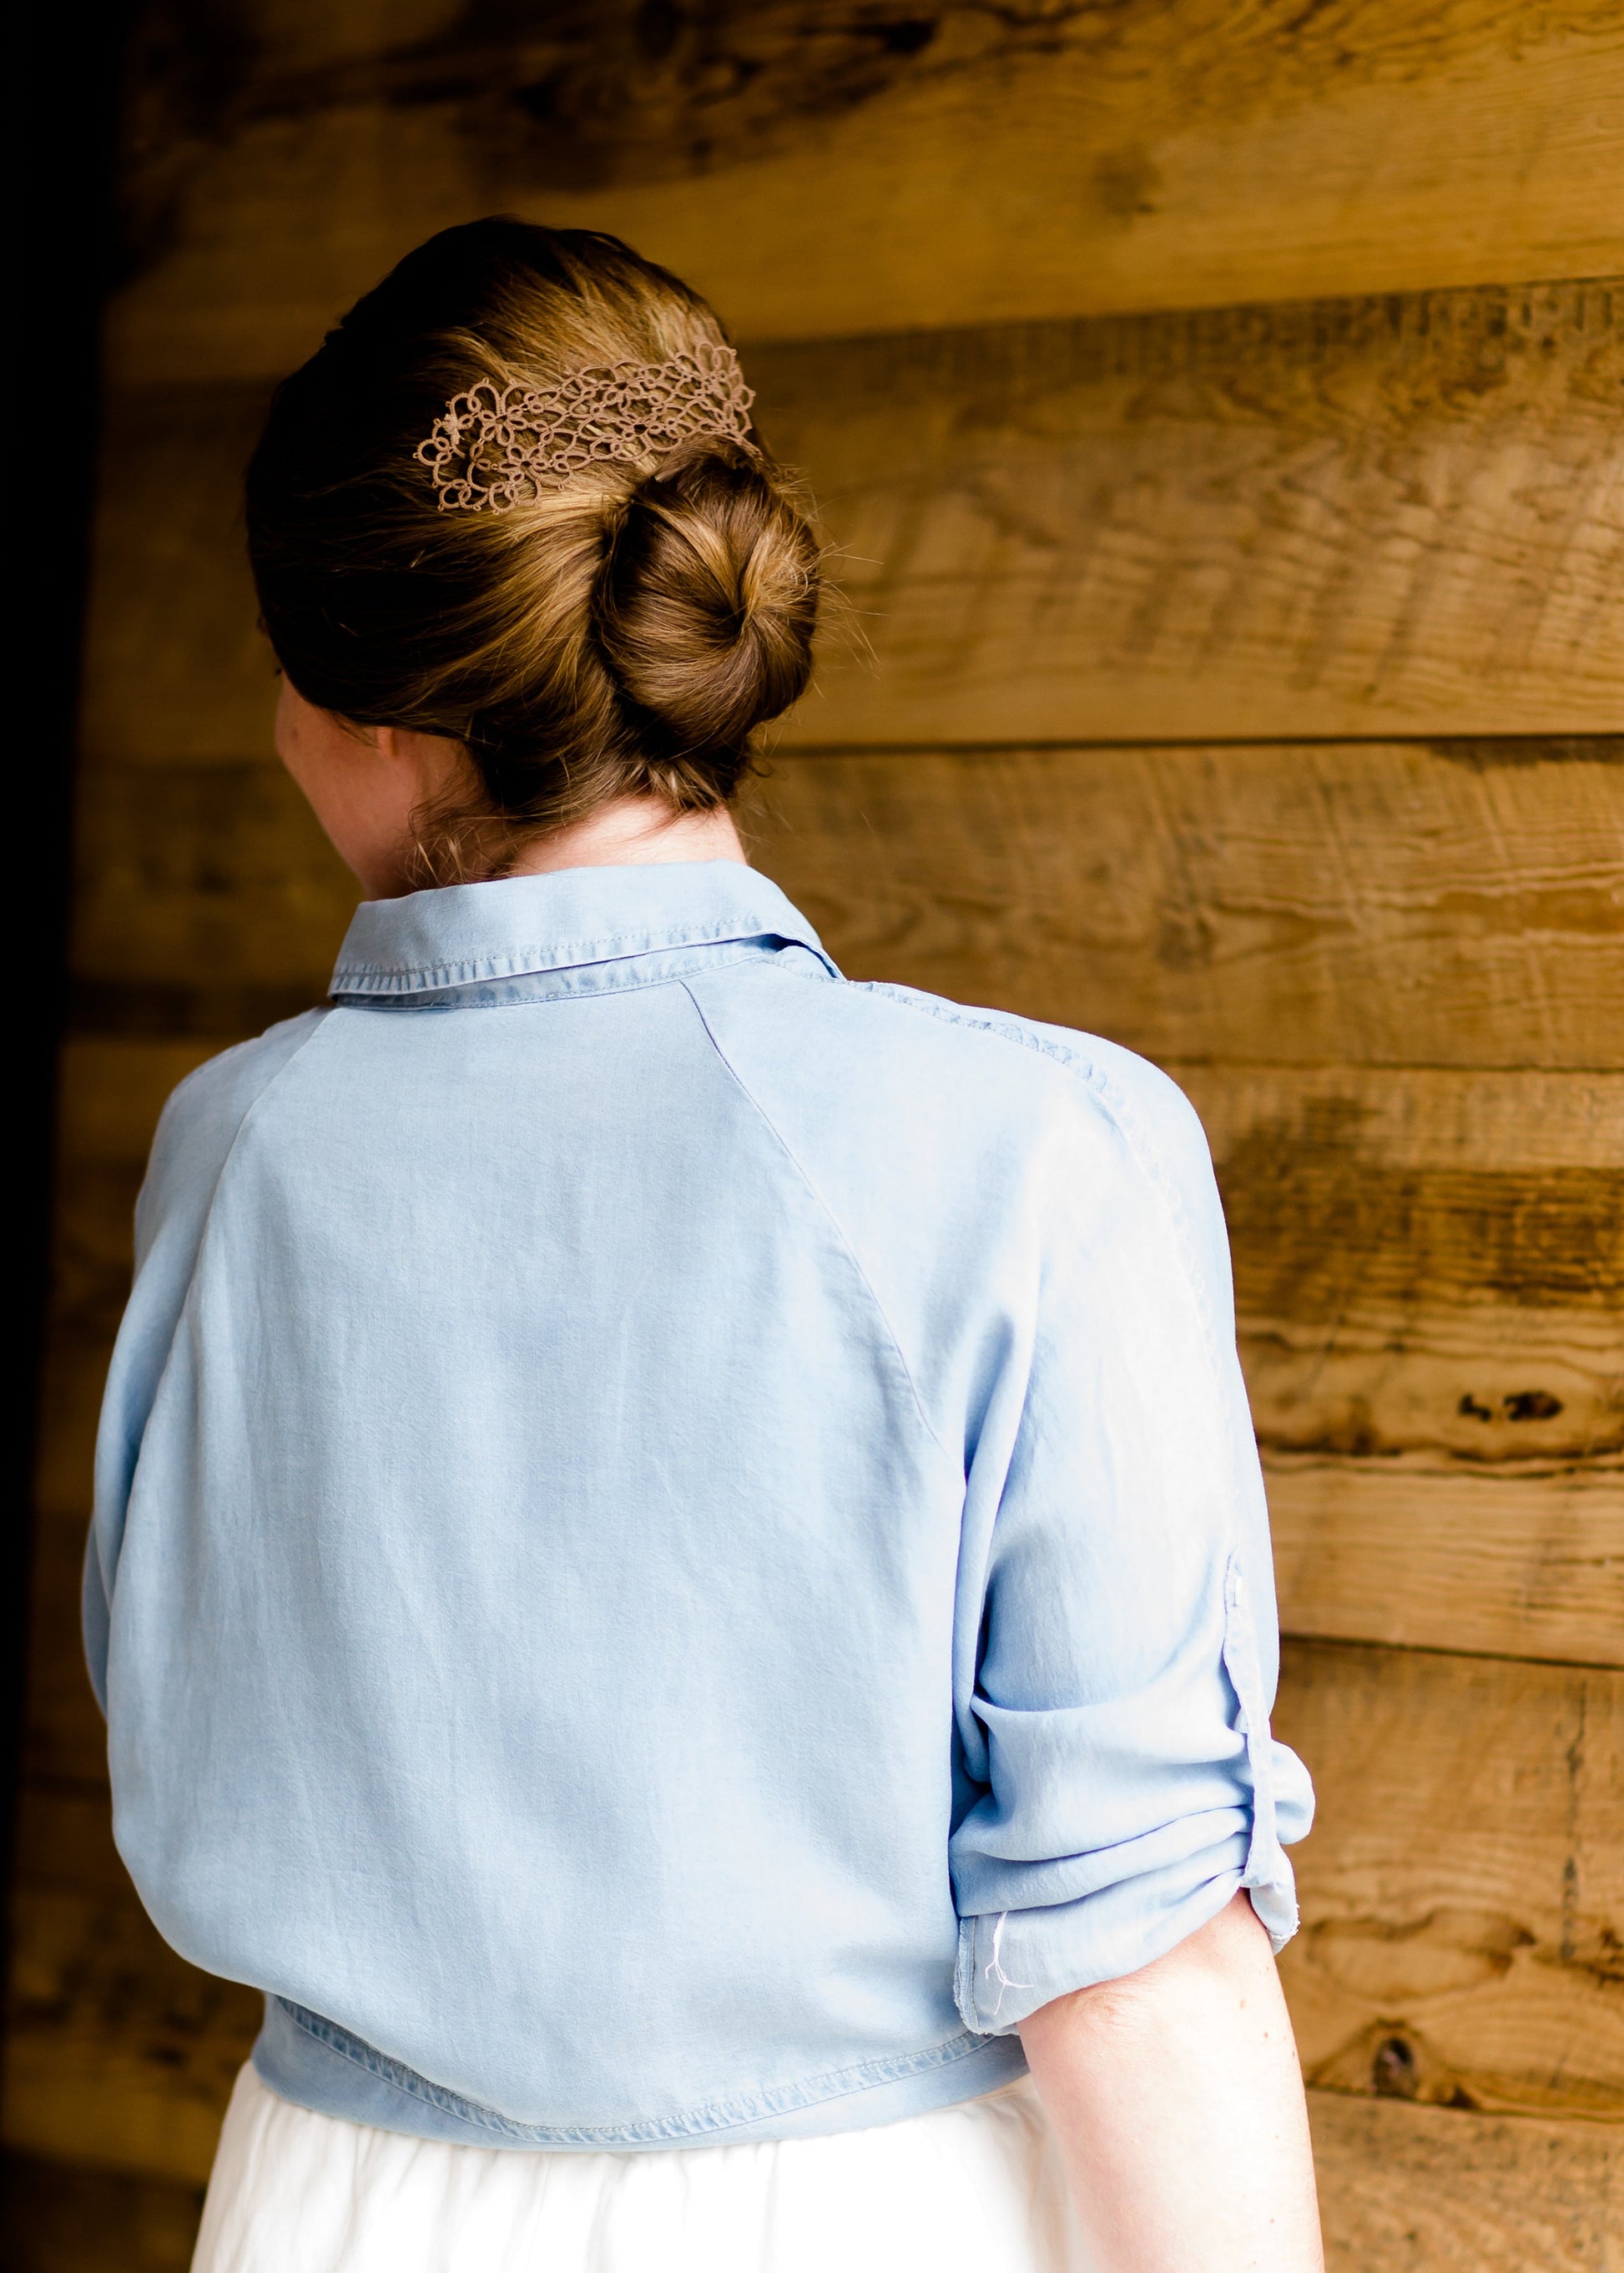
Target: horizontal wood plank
column 1429, row 1270
column 1463, row 1889
column 207, row 886
column 1451, row 903
column 1416, row 2189
column 1450, row 1556
column 1421, row 1120
column 109, row 1093
column 1357, row 517
column 1427, row 1264
column 1496, row 1199
column 1387, row 904
column 1432, row 1371
column 831, row 170
column 1344, row 519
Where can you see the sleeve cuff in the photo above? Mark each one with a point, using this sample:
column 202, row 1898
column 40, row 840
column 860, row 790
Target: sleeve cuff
column 1012, row 1963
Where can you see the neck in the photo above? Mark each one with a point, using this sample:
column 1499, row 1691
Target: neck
column 631, row 831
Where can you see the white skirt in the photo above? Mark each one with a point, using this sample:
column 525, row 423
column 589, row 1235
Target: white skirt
column 976, row 2188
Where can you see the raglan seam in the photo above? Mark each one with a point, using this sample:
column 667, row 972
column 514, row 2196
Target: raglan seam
column 247, row 1115
column 841, row 1233
column 95, row 1544
column 249, row 1110
column 319, row 1012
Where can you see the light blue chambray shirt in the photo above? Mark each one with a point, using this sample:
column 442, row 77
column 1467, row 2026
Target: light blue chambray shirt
column 677, row 1541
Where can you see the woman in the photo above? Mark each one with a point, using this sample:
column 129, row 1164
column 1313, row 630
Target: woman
column 680, row 1572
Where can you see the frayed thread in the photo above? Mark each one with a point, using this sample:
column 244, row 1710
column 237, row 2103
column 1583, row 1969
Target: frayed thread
column 993, row 1969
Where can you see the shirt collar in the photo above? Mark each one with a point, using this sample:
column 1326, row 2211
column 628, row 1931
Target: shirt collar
column 466, row 933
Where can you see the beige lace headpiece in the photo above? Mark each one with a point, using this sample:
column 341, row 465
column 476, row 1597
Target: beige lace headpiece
column 498, row 447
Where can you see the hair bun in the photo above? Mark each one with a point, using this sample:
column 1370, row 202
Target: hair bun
column 708, row 596
column 586, row 633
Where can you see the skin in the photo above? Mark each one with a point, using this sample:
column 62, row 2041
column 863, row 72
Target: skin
column 1175, row 2093
column 365, row 783
column 1177, row 2099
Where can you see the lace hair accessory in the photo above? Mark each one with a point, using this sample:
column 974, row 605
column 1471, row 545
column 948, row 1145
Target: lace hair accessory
column 494, row 446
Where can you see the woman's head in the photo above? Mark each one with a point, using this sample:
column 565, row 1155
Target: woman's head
column 597, row 596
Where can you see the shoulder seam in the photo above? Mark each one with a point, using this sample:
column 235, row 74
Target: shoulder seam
column 841, row 1232
column 94, row 1543
column 954, row 1014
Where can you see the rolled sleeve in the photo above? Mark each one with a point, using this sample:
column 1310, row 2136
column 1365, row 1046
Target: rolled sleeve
column 1121, row 1783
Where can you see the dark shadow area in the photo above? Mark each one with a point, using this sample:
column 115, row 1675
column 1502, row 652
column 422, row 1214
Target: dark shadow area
column 53, row 2219
column 62, row 85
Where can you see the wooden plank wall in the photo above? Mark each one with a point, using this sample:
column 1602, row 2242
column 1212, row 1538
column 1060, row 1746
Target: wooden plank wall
column 1215, row 414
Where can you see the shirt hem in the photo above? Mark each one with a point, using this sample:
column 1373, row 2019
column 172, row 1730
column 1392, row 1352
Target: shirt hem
column 319, row 2065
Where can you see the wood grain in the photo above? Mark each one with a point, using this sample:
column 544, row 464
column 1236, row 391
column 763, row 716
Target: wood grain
column 826, row 171
column 110, row 1095
column 1494, row 1272
column 1387, row 903
column 1452, row 904
column 1429, row 1268
column 1511, row 1562
column 1427, row 1263
column 1359, row 517
column 207, row 900
column 1463, row 1889
column 1356, row 518
column 1416, row 2189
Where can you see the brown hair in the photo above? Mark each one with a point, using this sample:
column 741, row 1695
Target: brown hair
column 626, row 631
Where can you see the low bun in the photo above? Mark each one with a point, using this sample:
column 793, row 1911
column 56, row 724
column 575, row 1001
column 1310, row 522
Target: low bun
column 706, row 606
column 614, row 623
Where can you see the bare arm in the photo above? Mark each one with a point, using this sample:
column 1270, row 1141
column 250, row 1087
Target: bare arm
column 1177, row 2102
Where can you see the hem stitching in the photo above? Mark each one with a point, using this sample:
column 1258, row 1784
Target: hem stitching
column 719, row 2115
